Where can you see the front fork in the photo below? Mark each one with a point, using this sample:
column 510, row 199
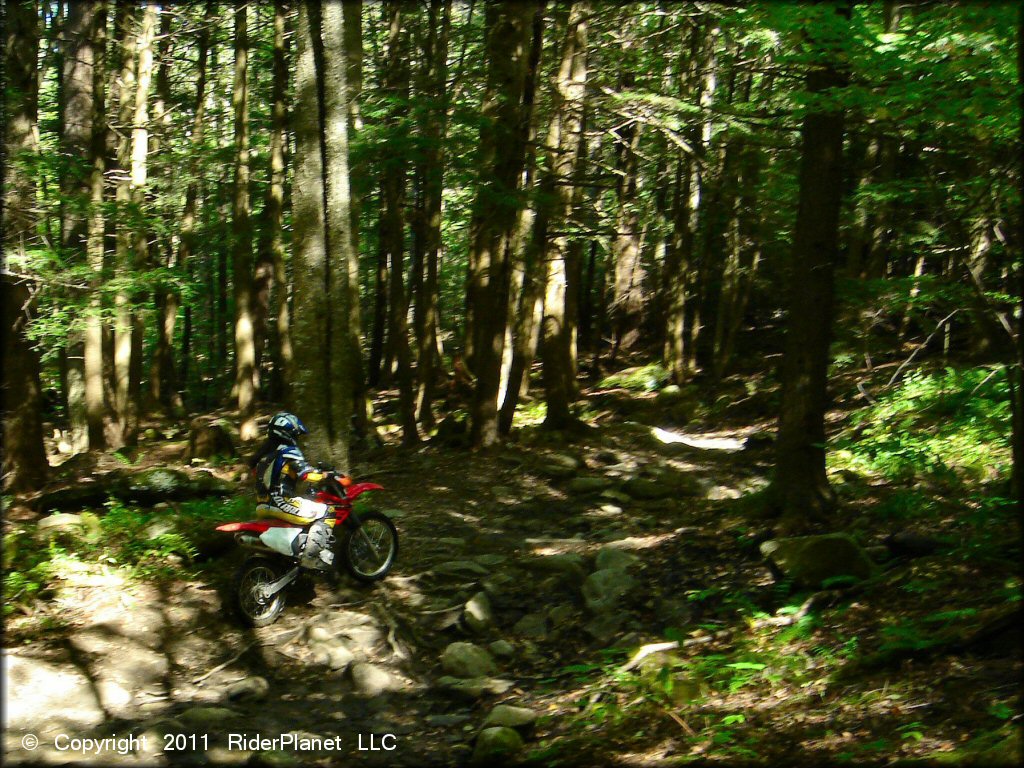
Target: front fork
column 355, row 523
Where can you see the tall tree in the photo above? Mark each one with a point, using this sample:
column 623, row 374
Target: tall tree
column 493, row 223
column 564, row 141
column 81, row 33
column 24, row 458
column 323, row 387
column 241, row 234
column 800, row 487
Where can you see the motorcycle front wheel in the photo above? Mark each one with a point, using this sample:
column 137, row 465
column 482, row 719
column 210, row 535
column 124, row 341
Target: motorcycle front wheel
column 369, row 551
column 256, row 610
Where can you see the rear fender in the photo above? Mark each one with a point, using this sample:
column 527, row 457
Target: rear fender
column 254, row 526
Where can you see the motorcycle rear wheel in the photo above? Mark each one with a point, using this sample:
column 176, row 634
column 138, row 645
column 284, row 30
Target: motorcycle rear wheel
column 253, row 574
column 369, row 551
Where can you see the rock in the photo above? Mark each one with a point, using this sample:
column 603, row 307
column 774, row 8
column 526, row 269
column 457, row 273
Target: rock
column 657, row 670
column 253, row 688
column 810, row 560
column 560, row 615
column 208, row 717
column 443, row 721
column 503, row 649
column 532, row 625
column 159, row 527
column 60, row 522
column 467, row 660
column 206, row 441
column 605, row 627
column 603, row 589
column 371, row 680
column 618, row 497
column 587, row 484
column 477, row 615
column 460, row 568
column 474, row 687
column 569, row 564
column 274, row 758
column 320, row 635
column 642, row 488
column 558, row 465
column 613, row 557
column 510, row 717
column 36, row 691
column 339, row 657
column 496, row 745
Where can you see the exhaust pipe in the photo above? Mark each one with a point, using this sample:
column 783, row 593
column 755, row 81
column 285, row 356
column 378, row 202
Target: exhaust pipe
column 248, row 541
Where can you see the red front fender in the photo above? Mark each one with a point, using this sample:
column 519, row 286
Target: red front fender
column 255, row 526
column 358, row 488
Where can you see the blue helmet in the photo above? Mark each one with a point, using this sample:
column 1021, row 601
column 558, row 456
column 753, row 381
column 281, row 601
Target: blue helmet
column 286, row 427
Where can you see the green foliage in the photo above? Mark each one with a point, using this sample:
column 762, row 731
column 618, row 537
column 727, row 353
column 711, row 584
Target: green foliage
column 950, row 422
column 646, row 378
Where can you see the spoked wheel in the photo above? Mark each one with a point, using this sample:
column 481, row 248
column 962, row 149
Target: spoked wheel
column 369, row 551
column 256, row 609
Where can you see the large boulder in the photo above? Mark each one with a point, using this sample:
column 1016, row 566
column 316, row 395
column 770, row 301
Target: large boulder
column 472, row 688
column 467, row 660
column 496, row 745
column 507, row 716
column 206, row 441
column 567, row 564
column 810, row 560
column 603, row 589
column 477, row 615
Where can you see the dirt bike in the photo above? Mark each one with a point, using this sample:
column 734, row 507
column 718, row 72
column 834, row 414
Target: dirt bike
column 366, row 549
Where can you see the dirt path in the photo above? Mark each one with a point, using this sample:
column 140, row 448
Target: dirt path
column 156, row 659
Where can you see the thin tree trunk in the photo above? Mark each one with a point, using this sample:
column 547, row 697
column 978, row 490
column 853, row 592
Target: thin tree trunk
column 492, row 227
column 80, row 32
column 271, row 250
column 24, row 457
column 564, row 142
column 187, row 240
column 801, row 490
column 95, row 401
column 241, row 235
column 434, row 130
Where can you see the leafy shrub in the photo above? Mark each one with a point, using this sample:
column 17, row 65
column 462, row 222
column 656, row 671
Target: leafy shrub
column 645, row 378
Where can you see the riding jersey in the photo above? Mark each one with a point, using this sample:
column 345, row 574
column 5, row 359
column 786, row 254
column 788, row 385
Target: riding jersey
column 279, row 466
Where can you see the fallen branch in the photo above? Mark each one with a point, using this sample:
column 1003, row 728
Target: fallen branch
column 919, row 347
column 219, row 667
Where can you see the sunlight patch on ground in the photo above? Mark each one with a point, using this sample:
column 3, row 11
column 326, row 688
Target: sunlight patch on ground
column 728, row 444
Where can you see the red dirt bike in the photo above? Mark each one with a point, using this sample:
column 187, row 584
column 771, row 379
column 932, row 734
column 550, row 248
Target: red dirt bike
column 366, row 549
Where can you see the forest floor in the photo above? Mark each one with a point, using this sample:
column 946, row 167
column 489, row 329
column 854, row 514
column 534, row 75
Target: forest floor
column 896, row 669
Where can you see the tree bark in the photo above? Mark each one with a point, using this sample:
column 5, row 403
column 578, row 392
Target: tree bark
column 323, row 388
column 800, row 486
column 564, row 142
column 187, row 241
column 241, row 235
column 493, row 222
column 24, row 458
column 80, row 32
column 434, row 128
column 392, row 229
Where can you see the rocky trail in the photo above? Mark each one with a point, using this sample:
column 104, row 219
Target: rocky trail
column 519, row 571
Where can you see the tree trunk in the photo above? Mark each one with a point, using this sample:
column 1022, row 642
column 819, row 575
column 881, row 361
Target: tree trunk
column 800, row 487
column 323, row 387
column 393, row 184
column 1017, row 375
column 81, row 30
column 241, row 235
column 163, row 377
column 434, row 129
column 187, row 240
column 95, row 401
column 564, row 142
column 271, row 250
column 24, row 458
column 493, row 223
column 627, row 300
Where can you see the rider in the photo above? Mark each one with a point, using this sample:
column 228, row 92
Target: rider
column 278, row 465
